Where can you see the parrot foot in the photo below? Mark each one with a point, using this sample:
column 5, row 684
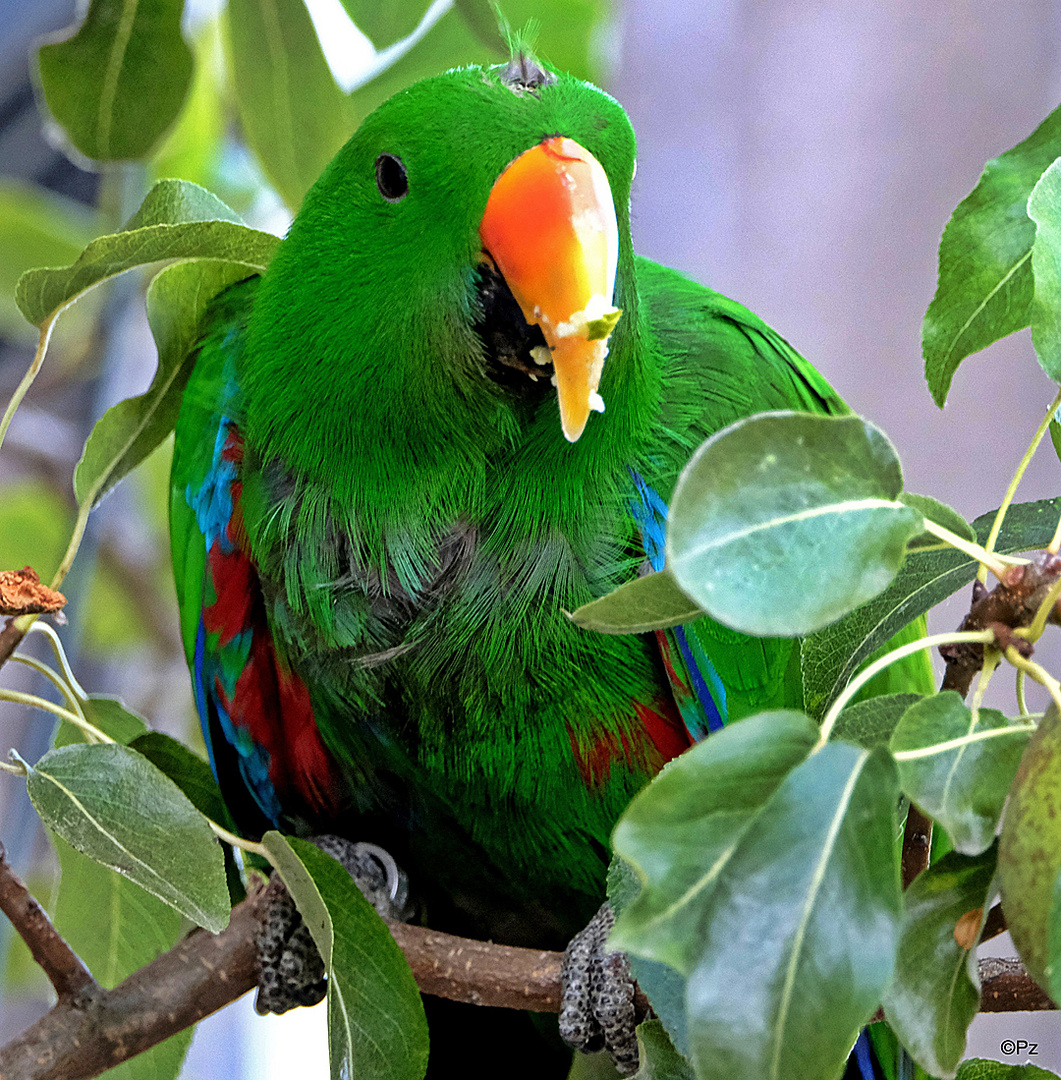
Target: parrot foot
column 291, row 969
column 597, row 1009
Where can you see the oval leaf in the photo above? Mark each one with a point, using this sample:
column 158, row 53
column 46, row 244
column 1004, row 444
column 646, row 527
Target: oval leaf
column 985, row 273
column 831, row 656
column 1029, row 852
column 1053, row 941
column 662, row 985
column 110, row 716
column 384, row 24
column 186, row 769
column 376, row 1025
column 935, row 992
column 112, row 804
column 651, row 602
column 987, row 1069
column 118, row 82
column 177, row 299
column 801, row 939
column 294, row 115
column 941, row 514
column 870, row 723
column 679, row 832
column 659, row 1060
column 1043, row 209
column 784, row 522
column 963, row 786
column 178, row 220
column 116, row 928
column 37, row 228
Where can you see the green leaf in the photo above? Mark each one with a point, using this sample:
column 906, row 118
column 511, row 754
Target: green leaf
column 941, row 514
column 870, row 723
column 1046, row 269
column 481, row 18
column 110, row 716
column 376, row 1025
column 681, row 830
column 384, row 24
column 832, row 656
column 801, row 939
column 186, row 769
column 935, row 992
column 986, row 1069
column 659, row 1059
column 178, row 220
column 1053, row 942
column 1055, row 436
column 113, row 805
column 294, row 115
column 783, row 522
column 662, row 985
column 37, row 228
column 116, row 928
column 1029, row 853
column 985, row 272
column 962, row 787
column 193, row 147
column 449, row 43
column 177, row 299
column 119, row 80
column 651, row 602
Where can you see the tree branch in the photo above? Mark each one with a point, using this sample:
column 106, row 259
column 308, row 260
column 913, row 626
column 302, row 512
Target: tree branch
column 56, row 959
column 84, row 1035
column 917, row 844
column 1006, row 987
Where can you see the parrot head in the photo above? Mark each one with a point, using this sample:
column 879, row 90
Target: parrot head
column 463, row 263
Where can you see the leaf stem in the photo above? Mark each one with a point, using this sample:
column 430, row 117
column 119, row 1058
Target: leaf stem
column 992, row 658
column 75, row 543
column 1011, row 491
column 60, row 655
column 15, row 770
column 1055, row 545
column 54, row 678
column 237, row 841
column 1034, row 630
column 985, row 637
column 31, row 374
column 958, row 742
column 989, row 560
column 1037, row 672
column 90, row 729
column 1019, row 691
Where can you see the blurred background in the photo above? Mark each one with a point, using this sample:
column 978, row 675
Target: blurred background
column 799, row 155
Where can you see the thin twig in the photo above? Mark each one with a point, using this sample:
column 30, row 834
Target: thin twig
column 994, row 924
column 71, row 979
column 917, row 844
column 1011, row 491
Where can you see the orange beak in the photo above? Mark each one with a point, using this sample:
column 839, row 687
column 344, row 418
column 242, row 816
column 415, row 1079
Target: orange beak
column 550, row 228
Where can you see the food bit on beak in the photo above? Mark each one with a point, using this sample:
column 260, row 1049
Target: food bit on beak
column 550, row 228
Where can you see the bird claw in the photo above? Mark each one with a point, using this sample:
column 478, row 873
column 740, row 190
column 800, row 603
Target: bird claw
column 291, row 969
column 597, row 1010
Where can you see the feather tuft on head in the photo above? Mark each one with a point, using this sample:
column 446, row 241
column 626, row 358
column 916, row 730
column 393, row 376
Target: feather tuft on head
column 523, row 72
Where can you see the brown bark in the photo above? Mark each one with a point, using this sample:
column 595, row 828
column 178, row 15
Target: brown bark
column 85, row 1034
column 56, row 959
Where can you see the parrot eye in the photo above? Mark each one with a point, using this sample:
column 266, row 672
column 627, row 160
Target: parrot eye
column 391, row 179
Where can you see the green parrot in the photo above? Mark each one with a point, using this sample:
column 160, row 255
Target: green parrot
column 451, row 411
